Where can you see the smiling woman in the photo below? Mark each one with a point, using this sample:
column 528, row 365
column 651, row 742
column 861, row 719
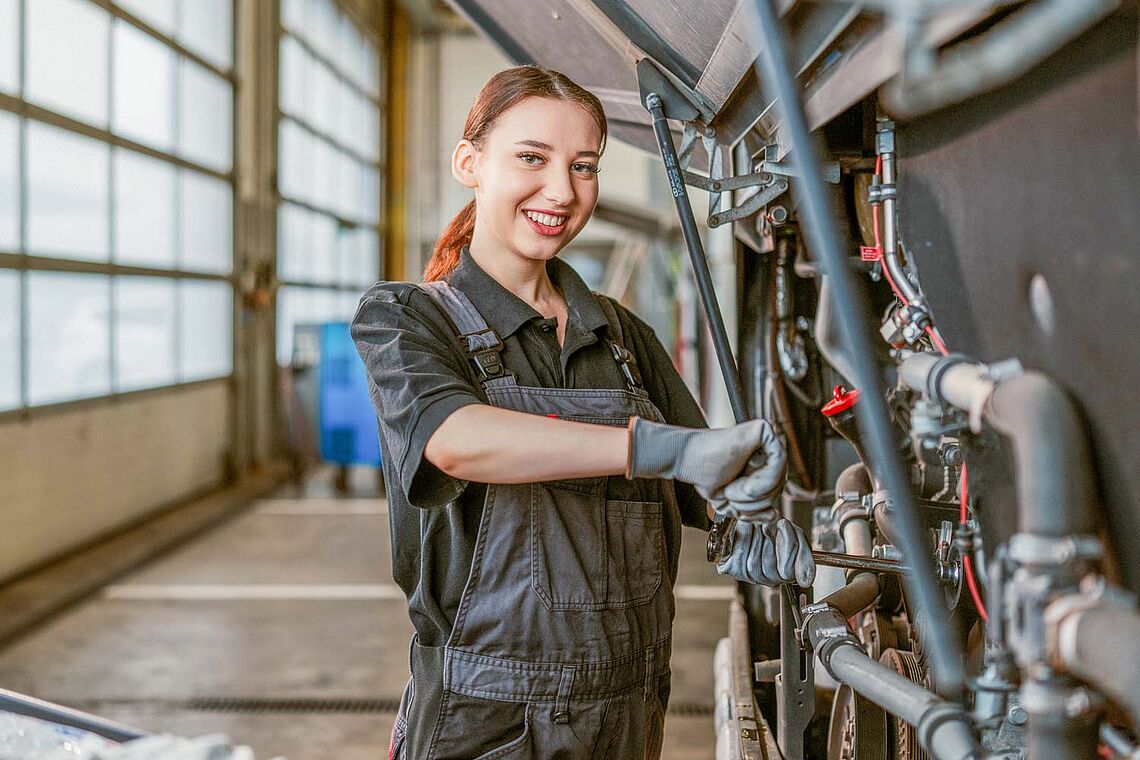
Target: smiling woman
column 535, row 494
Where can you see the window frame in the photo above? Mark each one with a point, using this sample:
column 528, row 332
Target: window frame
column 344, row 224
column 20, row 261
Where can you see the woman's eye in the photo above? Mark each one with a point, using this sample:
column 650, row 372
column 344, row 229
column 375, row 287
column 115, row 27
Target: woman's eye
column 586, row 168
column 532, row 159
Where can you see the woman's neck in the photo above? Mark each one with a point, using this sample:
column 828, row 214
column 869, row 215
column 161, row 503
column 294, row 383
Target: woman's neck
column 526, row 278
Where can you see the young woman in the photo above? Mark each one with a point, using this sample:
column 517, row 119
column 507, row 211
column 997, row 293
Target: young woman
column 536, row 494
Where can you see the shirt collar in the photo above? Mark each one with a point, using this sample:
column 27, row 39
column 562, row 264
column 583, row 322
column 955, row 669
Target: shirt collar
column 505, row 312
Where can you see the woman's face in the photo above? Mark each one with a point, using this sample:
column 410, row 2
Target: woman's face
column 535, row 177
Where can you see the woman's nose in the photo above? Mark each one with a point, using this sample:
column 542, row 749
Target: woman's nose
column 559, row 189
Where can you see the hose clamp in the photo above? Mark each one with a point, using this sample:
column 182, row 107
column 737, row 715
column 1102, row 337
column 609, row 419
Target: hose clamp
column 1032, row 549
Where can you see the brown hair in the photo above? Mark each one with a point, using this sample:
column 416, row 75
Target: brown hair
column 501, row 92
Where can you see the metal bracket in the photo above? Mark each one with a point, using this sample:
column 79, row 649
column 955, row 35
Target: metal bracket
column 795, row 685
column 752, row 205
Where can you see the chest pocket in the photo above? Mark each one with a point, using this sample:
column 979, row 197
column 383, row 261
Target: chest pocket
column 590, row 552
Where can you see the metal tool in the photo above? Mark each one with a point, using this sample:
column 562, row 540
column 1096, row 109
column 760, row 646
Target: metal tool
column 853, row 562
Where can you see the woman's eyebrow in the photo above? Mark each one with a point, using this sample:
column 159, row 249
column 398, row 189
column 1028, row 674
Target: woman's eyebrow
column 544, row 146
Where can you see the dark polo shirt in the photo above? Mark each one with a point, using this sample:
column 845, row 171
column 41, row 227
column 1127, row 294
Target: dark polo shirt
column 418, row 375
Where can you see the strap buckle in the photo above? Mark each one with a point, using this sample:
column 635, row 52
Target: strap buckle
column 483, row 348
column 628, row 366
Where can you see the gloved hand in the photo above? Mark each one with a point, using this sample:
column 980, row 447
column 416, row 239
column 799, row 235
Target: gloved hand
column 740, row 469
column 769, row 554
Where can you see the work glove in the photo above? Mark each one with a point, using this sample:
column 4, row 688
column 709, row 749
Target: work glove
column 769, row 554
column 739, row 469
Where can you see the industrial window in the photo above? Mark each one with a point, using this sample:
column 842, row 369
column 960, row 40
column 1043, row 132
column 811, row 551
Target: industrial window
column 329, row 174
column 116, row 196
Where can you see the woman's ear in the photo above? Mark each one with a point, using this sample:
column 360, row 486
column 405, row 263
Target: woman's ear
column 463, row 163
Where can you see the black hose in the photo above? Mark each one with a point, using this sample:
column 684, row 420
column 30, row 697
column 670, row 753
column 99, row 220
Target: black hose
column 851, row 303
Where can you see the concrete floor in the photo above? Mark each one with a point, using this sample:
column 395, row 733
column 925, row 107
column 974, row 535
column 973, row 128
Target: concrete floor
column 294, row 600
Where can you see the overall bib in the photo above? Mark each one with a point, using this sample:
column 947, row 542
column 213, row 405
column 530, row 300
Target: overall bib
column 568, row 607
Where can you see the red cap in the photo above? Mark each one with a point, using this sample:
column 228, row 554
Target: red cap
column 842, row 400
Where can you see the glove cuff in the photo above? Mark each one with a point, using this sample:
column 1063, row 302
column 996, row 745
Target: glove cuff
column 653, row 448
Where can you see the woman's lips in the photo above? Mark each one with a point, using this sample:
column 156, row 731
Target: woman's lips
column 546, row 230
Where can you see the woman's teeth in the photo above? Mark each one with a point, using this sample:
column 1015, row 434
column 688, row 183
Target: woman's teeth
column 547, row 219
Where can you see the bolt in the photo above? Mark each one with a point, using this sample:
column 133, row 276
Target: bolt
column 1016, row 715
column 716, row 186
column 777, row 215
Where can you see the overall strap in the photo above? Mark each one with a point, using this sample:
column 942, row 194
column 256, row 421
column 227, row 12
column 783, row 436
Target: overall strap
column 481, row 343
column 620, row 353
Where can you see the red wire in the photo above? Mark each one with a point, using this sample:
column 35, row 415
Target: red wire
column 967, row 561
column 936, row 339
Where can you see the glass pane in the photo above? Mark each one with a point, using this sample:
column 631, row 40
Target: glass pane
column 307, row 306
column 295, row 159
column 294, row 242
column 67, row 57
column 322, row 34
column 205, row 329
column 206, row 28
column 328, row 173
column 144, row 210
column 67, row 194
column 69, row 336
column 206, row 110
column 207, row 224
column 144, row 85
column 9, row 181
column 370, row 196
column 325, row 95
column 10, row 45
column 371, row 70
column 293, row 15
column 9, row 340
column 294, row 77
column 144, row 332
column 161, row 14
column 323, row 256
column 359, row 264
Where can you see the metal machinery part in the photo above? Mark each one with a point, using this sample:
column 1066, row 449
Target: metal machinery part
column 986, row 605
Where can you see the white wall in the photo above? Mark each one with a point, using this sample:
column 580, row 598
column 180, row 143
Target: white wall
column 71, row 476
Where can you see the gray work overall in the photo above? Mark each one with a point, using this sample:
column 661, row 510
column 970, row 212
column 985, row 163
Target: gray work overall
column 568, row 608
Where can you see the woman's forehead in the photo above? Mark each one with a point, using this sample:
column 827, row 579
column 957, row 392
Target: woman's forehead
column 563, row 125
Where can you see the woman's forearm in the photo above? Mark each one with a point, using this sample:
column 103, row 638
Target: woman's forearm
column 489, row 444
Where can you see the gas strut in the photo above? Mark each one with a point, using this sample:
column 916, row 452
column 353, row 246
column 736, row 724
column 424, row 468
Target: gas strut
column 720, row 535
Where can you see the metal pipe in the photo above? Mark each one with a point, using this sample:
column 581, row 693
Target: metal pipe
column 931, row 80
column 1097, row 644
column 1052, row 460
column 890, row 231
column 21, row 704
column 943, row 727
column 851, row 303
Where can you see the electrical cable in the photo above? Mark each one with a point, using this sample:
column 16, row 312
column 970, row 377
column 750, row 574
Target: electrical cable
column 967, row 561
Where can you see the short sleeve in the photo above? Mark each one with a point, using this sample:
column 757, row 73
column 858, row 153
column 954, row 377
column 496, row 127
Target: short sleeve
column 669, row 393
column 417, row 378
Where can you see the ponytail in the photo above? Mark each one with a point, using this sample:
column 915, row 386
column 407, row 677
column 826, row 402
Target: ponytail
column 445, row 256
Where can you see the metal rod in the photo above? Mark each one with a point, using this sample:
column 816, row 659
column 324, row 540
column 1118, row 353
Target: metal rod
column 851, row 304
column 697, row 256
column 21, row 704
column 852, row 562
